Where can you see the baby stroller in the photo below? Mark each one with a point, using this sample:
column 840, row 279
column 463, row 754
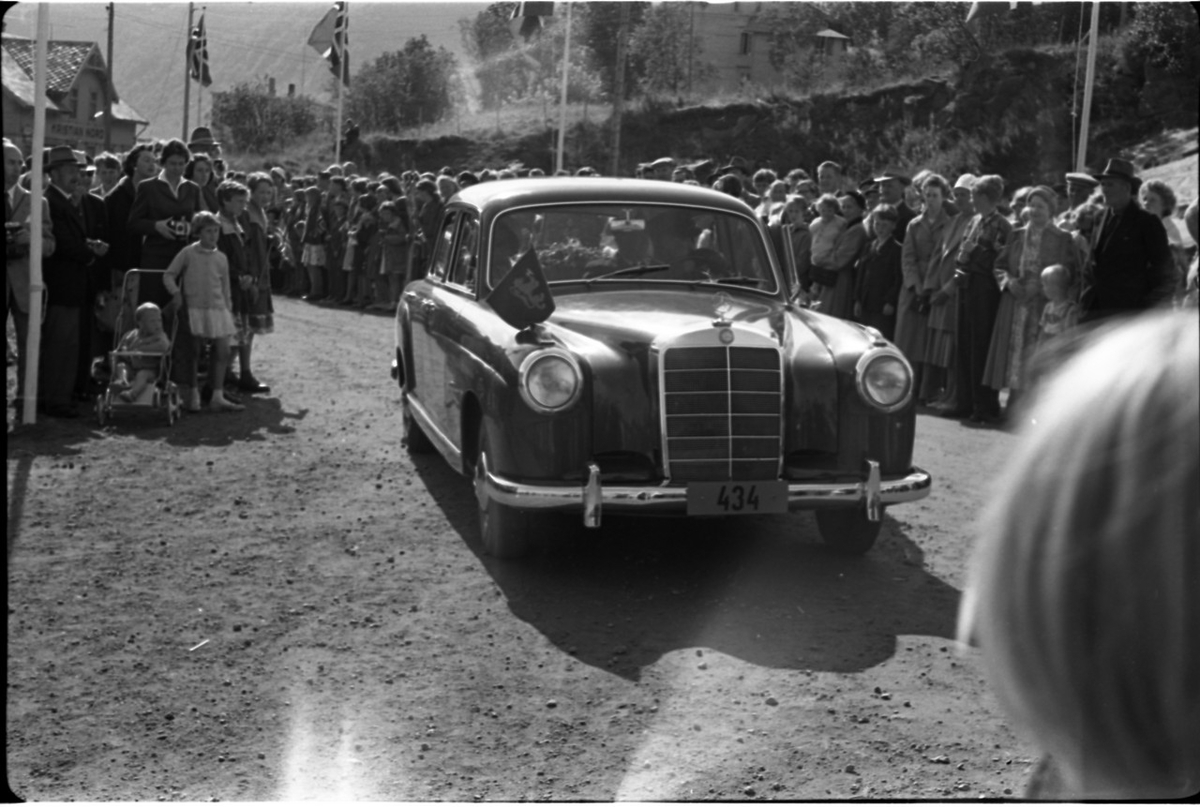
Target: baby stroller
column 140, row 286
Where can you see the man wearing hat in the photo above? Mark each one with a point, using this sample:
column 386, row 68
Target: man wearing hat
column 66, row 276
column 891, row 191
column 1131, row 267
column 662, row 168
column 202, row 142
column 1079, row 188
column 18, row 205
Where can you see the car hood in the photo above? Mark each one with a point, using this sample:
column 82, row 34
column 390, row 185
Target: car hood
column 614, row 332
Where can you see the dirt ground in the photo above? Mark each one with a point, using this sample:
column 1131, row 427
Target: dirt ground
column 282, row 604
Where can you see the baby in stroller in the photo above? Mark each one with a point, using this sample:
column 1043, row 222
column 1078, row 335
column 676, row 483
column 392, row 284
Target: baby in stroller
column 141, row 352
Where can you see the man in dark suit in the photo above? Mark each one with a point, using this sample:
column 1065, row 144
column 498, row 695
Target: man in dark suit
column 66, row 276
column 1131, row 266
column 891, row 186
column 91, row 339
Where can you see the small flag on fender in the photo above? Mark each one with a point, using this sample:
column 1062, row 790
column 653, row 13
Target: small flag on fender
column 522, row 297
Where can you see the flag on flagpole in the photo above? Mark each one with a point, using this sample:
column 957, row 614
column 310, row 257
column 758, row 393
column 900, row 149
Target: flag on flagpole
column 198, row 55
column 330, row 39
column 979, row 9
column 531, row 15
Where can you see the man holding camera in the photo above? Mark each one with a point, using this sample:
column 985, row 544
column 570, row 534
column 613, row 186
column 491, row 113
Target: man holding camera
column 17, row 208
column 66, row 275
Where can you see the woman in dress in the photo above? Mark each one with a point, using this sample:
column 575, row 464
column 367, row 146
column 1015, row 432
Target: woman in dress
column 920, row 242
column 1018, row 271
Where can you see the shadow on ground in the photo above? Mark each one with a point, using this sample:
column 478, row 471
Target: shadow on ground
column 763, row 589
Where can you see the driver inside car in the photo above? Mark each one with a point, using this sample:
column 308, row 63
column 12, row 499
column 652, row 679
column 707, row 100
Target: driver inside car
column 673, row 240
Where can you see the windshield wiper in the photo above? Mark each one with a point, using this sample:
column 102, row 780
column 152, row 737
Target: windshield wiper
column 740, row 280
column 634, row 270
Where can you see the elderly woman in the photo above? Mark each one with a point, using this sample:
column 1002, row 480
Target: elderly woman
column 163, row 208
column 921, row 239
column 1032, row 248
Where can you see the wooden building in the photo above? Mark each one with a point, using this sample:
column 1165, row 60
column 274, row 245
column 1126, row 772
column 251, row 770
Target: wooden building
column 76, row 90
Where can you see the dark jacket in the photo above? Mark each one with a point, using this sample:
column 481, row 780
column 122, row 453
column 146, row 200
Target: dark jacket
column 66, row 271
column 154, row 202
column 1132, row 267
column 95, row 220
column 125, row 246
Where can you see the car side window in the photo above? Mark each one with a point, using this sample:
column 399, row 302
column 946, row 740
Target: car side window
column 464, row 267
column 441, row 250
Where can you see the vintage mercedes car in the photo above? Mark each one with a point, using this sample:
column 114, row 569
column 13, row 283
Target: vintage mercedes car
column 598, row 346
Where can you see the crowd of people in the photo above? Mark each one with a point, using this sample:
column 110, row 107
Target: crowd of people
column 965, row 279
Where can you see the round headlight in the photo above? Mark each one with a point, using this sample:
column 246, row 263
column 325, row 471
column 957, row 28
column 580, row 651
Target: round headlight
column 550, row 381
column 884, row 381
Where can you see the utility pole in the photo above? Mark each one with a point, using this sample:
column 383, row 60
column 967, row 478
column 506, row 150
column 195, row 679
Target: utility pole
column 619, row 91
column 108, row 80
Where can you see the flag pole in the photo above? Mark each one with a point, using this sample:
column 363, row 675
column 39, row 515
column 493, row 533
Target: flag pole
column 33, row 339
column 343, row 69
column 187, row 73
column 562, row 103
column 1089, row 83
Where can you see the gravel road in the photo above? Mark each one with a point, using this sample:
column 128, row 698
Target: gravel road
column 282, row 604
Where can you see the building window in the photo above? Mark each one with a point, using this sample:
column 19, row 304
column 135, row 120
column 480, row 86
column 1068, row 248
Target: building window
column 743, row 43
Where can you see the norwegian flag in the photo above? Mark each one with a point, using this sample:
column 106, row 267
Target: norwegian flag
column 198, row 55
column 330, row 39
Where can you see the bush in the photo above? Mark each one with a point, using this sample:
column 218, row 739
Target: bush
column 250, row 118
column 1165, row 35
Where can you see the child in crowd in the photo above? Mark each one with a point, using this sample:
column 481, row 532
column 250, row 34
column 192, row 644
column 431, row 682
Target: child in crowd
column 231, row 198
column 150, row 341
column 198, row 279
column 315, row 232
column 361, row 234
column 1061, row 312
column 335, row 251
column 825, row 230
column 1082, row 595
column 394, row 234
column 879, row 276
column 297, row 278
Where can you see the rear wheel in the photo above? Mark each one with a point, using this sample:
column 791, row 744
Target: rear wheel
column 415, row 439
column 504, row 531
column 848, row 532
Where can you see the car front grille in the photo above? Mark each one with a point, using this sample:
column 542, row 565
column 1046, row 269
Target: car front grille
column 722, row 412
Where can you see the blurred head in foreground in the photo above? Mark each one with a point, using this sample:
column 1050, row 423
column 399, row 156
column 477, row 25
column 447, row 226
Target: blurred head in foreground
column 1082, row 593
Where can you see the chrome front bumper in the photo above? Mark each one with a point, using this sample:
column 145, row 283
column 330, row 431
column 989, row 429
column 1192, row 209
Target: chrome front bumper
column 872, row 493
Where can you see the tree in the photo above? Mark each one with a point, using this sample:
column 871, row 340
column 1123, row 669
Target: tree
column 596, row 29
column 488, row 34
column 249, row 117
column 665, row 53
column 405, row 88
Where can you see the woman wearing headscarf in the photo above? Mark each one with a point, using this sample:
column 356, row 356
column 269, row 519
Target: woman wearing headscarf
column 1030, row 249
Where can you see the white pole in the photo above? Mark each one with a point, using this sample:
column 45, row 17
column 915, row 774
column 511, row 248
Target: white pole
column 33, row 343
column 343, row 68
column 187, row 74
column 1088, row 84
column 562, row 104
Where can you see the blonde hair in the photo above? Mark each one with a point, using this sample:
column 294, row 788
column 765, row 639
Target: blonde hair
column 1082, row 591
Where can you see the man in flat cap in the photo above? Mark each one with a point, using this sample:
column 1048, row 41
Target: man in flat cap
column 1079, row 188
column 1131, row 268
column 891, row 191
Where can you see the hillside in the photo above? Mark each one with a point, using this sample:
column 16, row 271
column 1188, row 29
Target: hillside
column 245, row 41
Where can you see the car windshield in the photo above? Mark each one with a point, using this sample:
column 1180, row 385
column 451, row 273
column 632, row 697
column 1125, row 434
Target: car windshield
column 641, row 243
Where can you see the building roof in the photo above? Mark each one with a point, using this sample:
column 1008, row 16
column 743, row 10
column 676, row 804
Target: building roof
column 17, row 82
column 64, row 61
column 831, row 34
column 122, row 111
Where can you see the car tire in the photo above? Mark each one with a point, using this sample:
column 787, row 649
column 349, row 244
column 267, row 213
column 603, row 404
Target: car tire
column 414, row 439
column 848, row 532
column 505, row 532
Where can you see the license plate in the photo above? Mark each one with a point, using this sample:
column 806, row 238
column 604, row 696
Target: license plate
column 736, row 498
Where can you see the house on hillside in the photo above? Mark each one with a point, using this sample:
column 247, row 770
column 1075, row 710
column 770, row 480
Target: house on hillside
column 736, row 41
column 76, row 92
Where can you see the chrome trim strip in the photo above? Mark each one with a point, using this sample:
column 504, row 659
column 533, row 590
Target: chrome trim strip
column 440, row 441
column 673, row 498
